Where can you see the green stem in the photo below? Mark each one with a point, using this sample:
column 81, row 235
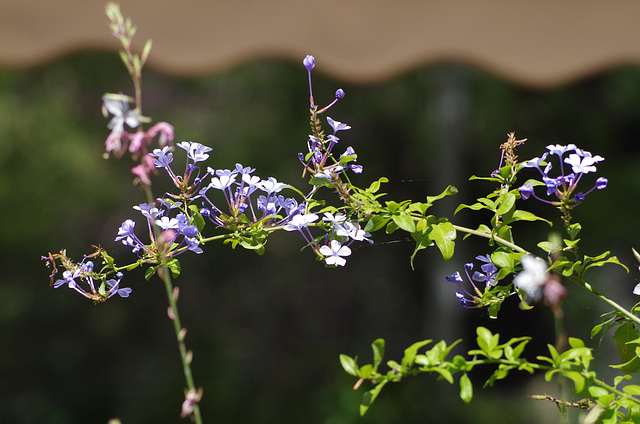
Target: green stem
column 185, row 355
column 172, row 295
column 606, row 300
column 581, row 283
column 491, row 236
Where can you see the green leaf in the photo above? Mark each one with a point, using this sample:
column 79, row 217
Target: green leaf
column 507, row 204
column 174, row 266
column 596, row 391
column 520, row 215
column 624, row 334
column 378, row 352
column 502, row 260
column 370, row 396
column 349, row 364
column 321, row 182
column 365, row 371
column 466, row 388
column 132, row 266
column 411, row 352
column 405, row 222
column 375, row 223
column 573, row 230
column 391, row 227
column 375, row 186
column 450, row 190
column 150, row 272
column 632, row 389
column 444, row 234
column 198, row 220
column 486, row 341
column 577, row 378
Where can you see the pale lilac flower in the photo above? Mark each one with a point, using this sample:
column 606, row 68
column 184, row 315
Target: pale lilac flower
column 334, row 254
column 337, row 125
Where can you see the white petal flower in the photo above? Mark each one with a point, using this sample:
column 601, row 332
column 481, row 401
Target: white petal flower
column 533, row 275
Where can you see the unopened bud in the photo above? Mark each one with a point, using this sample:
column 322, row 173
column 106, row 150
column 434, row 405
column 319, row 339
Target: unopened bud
column 309, row 62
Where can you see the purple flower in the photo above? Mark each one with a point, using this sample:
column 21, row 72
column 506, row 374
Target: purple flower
column 601, row 183
column 339, row 93
column 473, row 298
column 526, row 191
column 162, row 158
column 563, row 186
column 559, row 149
column 114, row 287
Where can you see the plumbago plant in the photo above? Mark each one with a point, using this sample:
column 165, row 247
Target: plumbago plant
column 240, row 208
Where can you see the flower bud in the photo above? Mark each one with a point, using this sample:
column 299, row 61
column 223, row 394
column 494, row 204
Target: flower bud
column 309, row 62
column 339, row 93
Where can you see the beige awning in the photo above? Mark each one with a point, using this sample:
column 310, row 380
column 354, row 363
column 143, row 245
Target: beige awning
column 533, row 42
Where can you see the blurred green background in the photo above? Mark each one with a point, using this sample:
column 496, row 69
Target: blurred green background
column 267, row 331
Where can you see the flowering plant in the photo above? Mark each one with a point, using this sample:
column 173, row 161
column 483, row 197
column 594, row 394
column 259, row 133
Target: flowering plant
column 241, row 209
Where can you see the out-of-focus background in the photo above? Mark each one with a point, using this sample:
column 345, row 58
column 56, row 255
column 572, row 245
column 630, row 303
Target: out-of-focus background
column 432, row 90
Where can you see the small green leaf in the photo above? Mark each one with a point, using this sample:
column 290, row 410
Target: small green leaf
column 632, row 389
column 375, row 186
column 444, row 234
column 596, row 391
column 370, row 396
column 573, row 230
column 150, row 272
column 450, row 190
column 378, row 352
column 466, row 388
column 321, row 182
column 174, row 266
column 350, row 365
column 520, row 215
column 411, row 352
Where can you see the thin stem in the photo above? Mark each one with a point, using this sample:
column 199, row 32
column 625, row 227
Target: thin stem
column 606, row 300
column 185, row 356
column 491, row 236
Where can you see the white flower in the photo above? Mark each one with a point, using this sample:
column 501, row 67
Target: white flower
column 533, row 275
column 333, row 253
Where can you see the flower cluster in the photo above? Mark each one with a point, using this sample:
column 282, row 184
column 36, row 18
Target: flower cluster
column 563, row 186
column 87, row 286
column 319, row 160
column 188, row 182
column 176, row 234
column 248, row 199
column 488, row 276
column 335, row 244
column 120, row 140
